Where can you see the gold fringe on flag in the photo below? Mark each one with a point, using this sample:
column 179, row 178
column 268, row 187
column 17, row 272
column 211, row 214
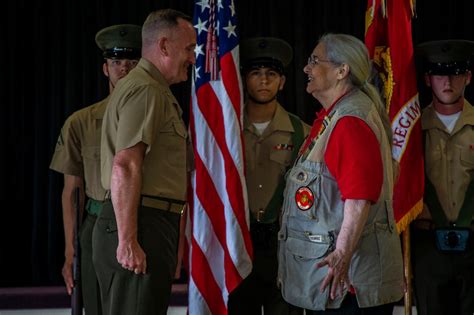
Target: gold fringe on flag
column 413, row 8
column 411, row 215
column 369, row 16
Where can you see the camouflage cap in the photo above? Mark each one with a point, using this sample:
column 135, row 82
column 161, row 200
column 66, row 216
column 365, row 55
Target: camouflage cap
column 122, row 41
column 446, row 57
column 261, row 52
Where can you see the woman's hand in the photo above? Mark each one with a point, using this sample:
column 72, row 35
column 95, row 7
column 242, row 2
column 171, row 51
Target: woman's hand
column 338, row 265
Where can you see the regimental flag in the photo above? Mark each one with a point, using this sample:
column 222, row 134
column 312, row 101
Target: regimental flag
column 389, row 41
column 217, row 233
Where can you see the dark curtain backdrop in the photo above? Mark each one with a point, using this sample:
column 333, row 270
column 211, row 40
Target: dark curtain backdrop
column 51, row 67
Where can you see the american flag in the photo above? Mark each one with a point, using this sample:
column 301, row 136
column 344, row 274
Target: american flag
column 217, row 233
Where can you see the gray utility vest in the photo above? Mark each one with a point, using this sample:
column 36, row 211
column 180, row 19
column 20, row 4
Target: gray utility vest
column 306, row 237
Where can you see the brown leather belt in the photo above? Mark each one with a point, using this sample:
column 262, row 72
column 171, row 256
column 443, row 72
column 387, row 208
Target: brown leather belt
column 175, row 206
column 171, row 205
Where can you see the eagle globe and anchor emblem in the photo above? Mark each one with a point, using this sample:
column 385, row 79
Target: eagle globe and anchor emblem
column 304, row 198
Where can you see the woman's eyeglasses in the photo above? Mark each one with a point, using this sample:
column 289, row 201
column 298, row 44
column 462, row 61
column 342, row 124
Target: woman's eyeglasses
column 314, row 60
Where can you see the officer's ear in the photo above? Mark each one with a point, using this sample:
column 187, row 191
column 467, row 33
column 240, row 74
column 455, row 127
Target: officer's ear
column 468, row 77
column 105, row 69
column 282, row 82
column 427, row 80
column 163, row 45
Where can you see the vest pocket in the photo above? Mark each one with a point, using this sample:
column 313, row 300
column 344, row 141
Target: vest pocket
column 299, row 277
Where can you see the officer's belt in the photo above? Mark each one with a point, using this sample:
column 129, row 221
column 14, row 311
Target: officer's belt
column 94, row 207
column 429, row 225
column 171, row 205
column 161, row 203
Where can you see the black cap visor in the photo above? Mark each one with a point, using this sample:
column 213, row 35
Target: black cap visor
column 263, row 63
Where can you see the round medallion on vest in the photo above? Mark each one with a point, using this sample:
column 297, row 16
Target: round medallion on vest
column 304, row 198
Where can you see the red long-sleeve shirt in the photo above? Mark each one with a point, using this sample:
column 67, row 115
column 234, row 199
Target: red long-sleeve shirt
column 352, row 157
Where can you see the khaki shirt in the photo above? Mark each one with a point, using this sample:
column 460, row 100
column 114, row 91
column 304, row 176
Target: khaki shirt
column 143, row 109
column 449, row 158
column 77, row 151
column 267, row 156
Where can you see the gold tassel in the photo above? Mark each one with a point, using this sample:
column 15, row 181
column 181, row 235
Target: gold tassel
column 369, row 16
column 409, row 216
column 413, row 8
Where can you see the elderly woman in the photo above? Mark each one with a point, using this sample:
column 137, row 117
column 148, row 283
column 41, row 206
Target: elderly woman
column 339, row 248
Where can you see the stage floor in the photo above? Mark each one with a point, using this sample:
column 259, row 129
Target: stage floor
column 172, row 311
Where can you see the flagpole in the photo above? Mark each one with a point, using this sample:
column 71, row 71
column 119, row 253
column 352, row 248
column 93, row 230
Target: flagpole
column 407, row 270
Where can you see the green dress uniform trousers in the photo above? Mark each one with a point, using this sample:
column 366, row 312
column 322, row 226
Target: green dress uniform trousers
column 122, row 291
column 450, row 276
column 90, row 286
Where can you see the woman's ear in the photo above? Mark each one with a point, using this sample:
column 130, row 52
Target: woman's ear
column 343, row 71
